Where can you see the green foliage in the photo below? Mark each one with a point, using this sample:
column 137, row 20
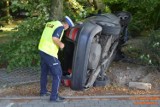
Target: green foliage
column 146, row 14
column 145, row 17
column 23, row 50
column 75, row 10
column 33, row 7
column 151, row 54
column 3, row 52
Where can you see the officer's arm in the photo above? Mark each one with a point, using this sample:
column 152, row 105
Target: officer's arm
column 58, row 42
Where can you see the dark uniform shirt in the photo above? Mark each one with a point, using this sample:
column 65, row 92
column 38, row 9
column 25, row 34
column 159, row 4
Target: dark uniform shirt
column 57, row 33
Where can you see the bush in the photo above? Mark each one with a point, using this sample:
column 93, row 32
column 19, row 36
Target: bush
column 23, row 50
column 151, row 49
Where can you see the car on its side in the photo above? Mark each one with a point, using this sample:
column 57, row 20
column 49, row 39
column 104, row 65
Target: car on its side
column 91, row 46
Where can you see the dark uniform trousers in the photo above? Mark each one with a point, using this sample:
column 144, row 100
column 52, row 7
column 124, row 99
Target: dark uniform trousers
column 52, row 65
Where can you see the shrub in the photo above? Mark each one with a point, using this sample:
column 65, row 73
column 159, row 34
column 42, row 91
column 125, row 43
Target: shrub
column 151, row 49
column 23, row 50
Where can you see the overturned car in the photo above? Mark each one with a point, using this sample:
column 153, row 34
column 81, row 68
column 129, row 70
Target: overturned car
column 91, row 46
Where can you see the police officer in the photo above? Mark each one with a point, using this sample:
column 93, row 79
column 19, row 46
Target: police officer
column 49, row 45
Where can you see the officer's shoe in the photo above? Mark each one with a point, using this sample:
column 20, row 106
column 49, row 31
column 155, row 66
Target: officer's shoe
column 59, row 100
column 62, row 98
column 46, row 94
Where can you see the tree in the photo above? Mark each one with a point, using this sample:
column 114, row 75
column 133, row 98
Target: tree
column 5, row 11
column 22, row 51
column 23, row 48
column 25, row 53
column 56, row 11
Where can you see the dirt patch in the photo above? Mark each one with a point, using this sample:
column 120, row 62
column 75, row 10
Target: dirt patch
column 127, row 72
column 33, row 90
column 122, row 73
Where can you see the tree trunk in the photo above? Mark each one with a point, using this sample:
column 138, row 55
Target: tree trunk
column 7, row 12
column 56, row 9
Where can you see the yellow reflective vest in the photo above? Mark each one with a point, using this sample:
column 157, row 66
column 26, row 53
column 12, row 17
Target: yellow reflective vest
column 46, row 43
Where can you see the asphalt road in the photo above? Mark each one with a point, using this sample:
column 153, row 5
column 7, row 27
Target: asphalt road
column 84, row 101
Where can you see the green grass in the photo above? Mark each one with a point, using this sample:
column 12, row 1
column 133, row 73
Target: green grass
column 5, row 37
column 2, row 34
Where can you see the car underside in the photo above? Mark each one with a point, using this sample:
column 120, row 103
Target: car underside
column 91, row 46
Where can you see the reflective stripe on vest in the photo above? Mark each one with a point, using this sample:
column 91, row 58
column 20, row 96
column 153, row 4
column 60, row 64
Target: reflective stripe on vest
column 46, row 42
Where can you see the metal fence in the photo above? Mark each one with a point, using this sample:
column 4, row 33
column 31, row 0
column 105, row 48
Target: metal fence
column 18, row 76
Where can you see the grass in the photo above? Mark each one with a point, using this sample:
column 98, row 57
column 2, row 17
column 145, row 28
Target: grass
column 5, row 37
column 7, row 29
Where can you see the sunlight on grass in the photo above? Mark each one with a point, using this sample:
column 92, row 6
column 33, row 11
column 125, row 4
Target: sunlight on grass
column 6, row 30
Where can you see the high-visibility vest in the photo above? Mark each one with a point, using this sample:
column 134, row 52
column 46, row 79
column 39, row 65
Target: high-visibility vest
column 46, row 42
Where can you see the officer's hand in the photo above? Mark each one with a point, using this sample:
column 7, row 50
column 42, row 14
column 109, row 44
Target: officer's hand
column 61, row 46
